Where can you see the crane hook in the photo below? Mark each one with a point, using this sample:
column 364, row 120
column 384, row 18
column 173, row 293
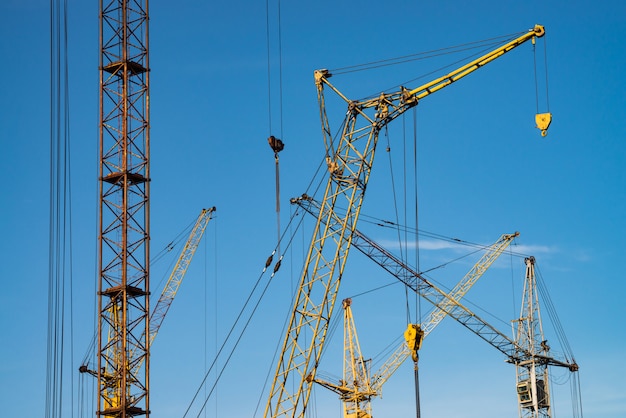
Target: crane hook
column 543, row 121
column 276, row 144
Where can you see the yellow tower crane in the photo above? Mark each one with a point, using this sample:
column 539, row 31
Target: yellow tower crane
column 358, row 387
column 533, row 389
column 171, row 287
column 529, row 352
column 178, row 273
column 350, row 165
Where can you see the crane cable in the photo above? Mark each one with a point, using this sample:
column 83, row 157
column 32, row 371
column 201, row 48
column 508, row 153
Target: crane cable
column 542, row 120
column 276, row 144
column 60, row 217
column 404, row 243
column 484, row 44
column 545, row 60
column 253, row 305
column 418, row 305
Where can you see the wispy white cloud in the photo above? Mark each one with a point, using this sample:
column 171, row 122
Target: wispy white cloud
column 533, row 249
column 438, row 245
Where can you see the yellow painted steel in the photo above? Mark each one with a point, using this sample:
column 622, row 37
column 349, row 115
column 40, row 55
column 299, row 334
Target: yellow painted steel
column 161, row 308
column 436, row 316
column 349, row 164
column 362, row 391
column 177, row 275
column 543, row 121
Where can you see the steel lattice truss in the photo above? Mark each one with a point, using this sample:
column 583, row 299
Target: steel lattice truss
column 124, row 210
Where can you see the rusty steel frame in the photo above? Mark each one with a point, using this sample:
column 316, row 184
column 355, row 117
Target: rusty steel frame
column 123, row 240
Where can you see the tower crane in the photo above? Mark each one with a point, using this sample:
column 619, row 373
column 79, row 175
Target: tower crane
column 357, row 391
column 123, row 210
column 529, row 352
column 349, row 163
column 533, row 389
column 178, row 273
column 173, row 283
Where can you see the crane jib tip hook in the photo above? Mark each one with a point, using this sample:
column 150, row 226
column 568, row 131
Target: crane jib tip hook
column 543, row 121
column 276, row 144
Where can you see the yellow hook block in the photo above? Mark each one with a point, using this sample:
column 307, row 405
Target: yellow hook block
column 543, row 121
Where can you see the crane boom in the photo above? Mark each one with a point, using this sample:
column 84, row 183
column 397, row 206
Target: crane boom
column 437, row 297
column 173, row 284
column 178, row 273
column 350, row 166
column 437, row 315
column 357, row 391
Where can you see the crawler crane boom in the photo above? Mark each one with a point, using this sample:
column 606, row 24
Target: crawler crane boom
column 350, row 165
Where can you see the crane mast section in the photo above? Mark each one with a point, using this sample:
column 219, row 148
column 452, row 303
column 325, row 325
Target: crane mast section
column 124, row 210
column 532, row 377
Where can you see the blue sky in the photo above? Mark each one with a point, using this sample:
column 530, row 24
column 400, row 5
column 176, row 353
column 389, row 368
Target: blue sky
column 483, row 170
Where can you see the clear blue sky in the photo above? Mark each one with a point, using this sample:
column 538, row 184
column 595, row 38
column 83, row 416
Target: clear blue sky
column 483, row 170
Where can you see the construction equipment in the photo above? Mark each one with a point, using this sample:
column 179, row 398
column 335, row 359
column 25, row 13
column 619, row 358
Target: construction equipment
column 362, row 391
column 173, row 283
column 528, row 353
column 178, row 273
column 354, row 388
column 124, row 211
column 349, row 164
column 533, row 389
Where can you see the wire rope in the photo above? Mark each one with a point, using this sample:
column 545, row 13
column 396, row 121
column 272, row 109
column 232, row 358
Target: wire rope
column 205, row 309
column 545, row 63
column 545, row 60
column 479, row 48
column 276, row 144
column 552, row 313
column 60, row 306
column 424, row 55
column 401, row 242
column 415, row 234
column 269, row 65
column 246, row 322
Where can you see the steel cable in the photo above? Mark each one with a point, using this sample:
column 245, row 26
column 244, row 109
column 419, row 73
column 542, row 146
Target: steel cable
column 60, row 216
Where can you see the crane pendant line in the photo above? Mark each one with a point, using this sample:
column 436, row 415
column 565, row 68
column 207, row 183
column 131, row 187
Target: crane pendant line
column 350, row 166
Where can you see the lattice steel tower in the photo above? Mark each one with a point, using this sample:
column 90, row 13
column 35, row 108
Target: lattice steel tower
column 124, row 235
column 533, row 390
